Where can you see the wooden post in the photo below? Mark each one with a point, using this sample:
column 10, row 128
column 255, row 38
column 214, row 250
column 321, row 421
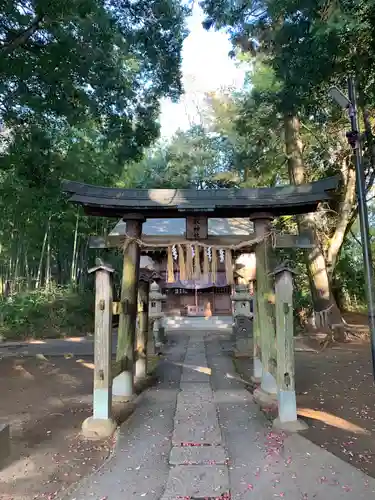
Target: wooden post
column 123, row 384
column 264, row 293
column 101, row 424
column 142, row 331
column 257, row 356
column 285, row 350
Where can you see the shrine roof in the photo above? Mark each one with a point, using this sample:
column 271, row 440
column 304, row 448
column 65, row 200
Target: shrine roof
column 177, row 227
column 177, row 203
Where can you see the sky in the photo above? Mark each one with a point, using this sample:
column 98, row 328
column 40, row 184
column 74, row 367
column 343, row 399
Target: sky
column 206, row 67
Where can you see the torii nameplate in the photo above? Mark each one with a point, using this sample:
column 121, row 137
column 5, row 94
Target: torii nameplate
column 196, row 228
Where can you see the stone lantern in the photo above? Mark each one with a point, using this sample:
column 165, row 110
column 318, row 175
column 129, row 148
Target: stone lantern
column 242, row 318
column 156, row 315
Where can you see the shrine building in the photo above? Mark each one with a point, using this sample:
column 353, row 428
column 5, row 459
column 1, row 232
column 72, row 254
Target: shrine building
column 201, row 295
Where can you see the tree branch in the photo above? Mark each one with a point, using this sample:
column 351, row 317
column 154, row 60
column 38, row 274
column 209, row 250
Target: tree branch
column 355, row 238
column 22, row 37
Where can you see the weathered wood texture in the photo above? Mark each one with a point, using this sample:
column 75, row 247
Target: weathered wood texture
column 281, row 241
column 264, row 293
column 142, row 331
column 196, row 228
column 102, row 400
column 284, row 329
column 257, row 349
column 128, row 311
column 116, row 202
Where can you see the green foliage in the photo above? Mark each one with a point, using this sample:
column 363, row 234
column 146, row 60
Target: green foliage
column 50, row 313
column 299, row 50
column 81, row 82
column 197, row 158
column 67, row 62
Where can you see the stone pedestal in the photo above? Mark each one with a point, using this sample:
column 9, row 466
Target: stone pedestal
column 156, row 315
column 242, row 319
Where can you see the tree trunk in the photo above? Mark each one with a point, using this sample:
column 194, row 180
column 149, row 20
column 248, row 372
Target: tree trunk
column 73, row 270
column 325, row 307
column 27, row 270
column 347, row 206
column 48, row 259
column 39, row 275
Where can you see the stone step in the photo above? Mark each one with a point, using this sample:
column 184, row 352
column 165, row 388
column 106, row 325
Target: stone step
column 193, row 322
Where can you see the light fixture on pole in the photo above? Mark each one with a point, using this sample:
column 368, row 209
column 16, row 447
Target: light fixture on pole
column 350, row 103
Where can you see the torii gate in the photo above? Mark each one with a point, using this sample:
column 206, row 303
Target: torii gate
column 260, row 205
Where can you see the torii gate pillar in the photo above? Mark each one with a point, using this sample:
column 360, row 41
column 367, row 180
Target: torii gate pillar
column 264, row 337
column 123, row 384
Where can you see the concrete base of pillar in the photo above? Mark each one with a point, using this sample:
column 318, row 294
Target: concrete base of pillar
column 95, row 428
column 257, row 369
column 140, row 368
column 268, row 383
column 263, row 398
column 122, row 386
column 295, row 426
column 287, row 406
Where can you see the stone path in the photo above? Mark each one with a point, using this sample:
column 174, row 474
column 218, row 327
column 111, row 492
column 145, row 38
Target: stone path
column 197, row 455
column 238, row 457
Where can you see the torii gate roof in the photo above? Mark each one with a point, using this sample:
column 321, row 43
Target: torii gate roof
column 177, row 203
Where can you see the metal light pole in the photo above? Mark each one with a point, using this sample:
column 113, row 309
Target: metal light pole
column 354, row 141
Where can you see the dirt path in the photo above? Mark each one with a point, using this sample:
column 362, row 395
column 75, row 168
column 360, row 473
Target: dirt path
column 339, row 382
column 45, row 402
column 336, row 389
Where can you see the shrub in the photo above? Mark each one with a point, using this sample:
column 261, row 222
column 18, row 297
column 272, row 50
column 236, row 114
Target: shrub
column 57, row 312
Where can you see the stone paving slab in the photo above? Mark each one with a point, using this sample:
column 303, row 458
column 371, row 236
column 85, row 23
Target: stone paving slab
column 196, row 424
column 197, row 455
column 198, row 388
column 194, row 395
column 195, row 357
column 191, row 481
column 194, row 376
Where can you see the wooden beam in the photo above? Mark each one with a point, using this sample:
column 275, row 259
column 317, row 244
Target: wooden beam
column 281, row 241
